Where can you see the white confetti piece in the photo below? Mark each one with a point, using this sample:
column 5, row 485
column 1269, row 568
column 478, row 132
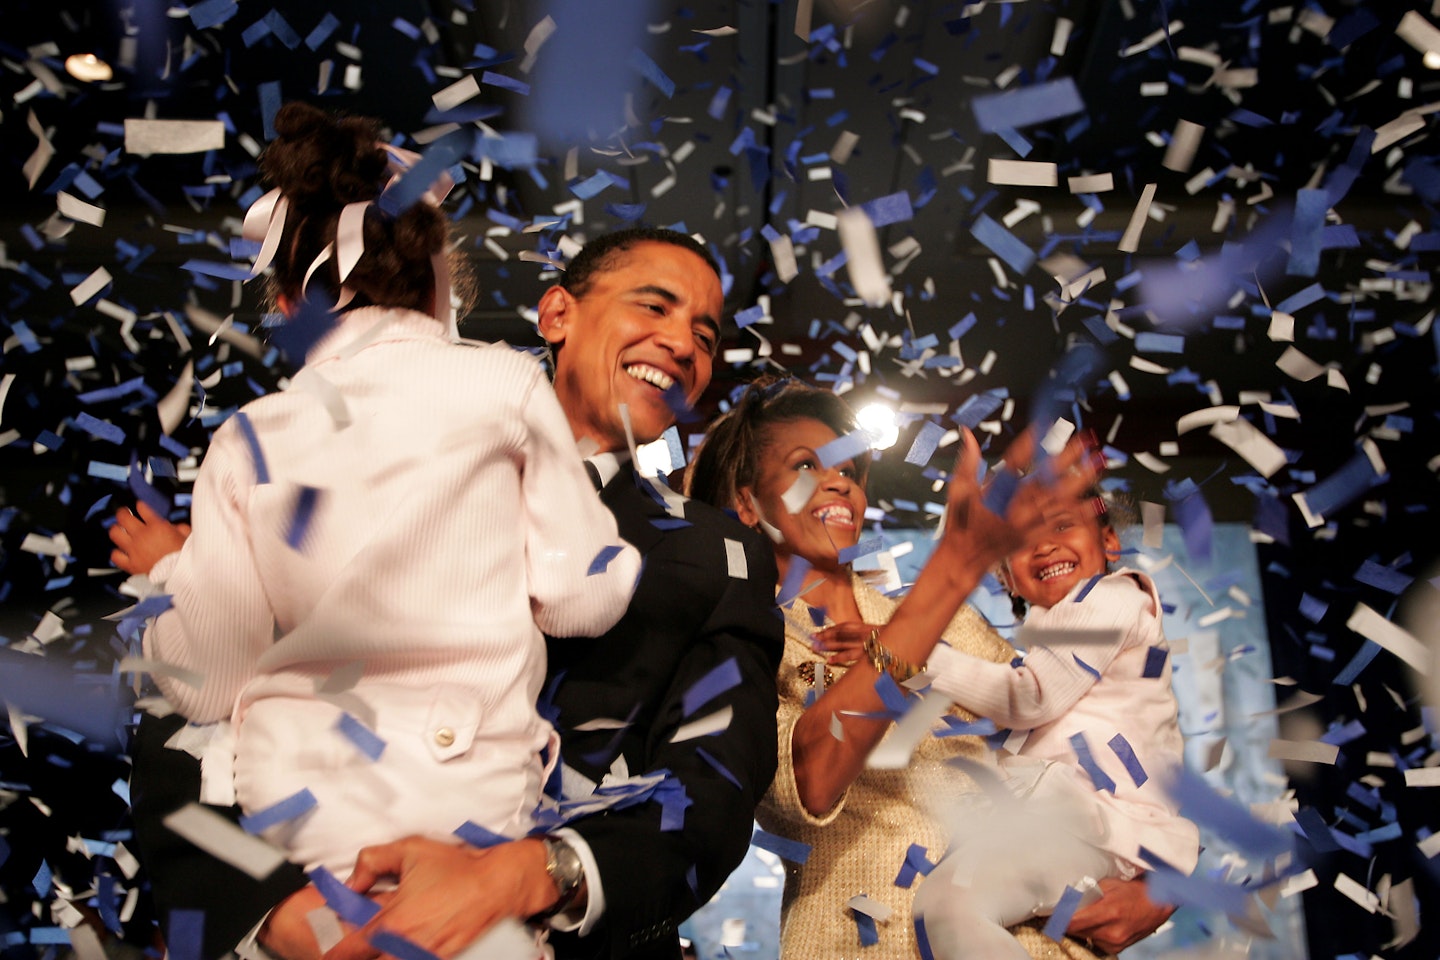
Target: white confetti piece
column 1356, row 892
column 1184, row 142
column 1023, row 173
column 173, row 136
column 1372, row 626
column 735, row 560
column 1297, row 365
column 1299, row 883
column 1092, row 183
column 539, row 33
column 466, row 88
column 90, row 286
column 1305, row 751
column 862, row 249
column 1130, row 240
column 76, row 209
column 1420, row 33
column 719, row 32
column 1430, row 846
column 703, row 727
column 894, row 752
column 782, row 252
column 1282, row 327
column 44, row 151
column 222, row 839
column 325, row 925
column 172, row 407
column 1250, row 442
column 873, row 909
column 1205, row 417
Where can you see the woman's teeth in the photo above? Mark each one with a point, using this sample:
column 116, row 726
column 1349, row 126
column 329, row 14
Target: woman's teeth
column 836, row 513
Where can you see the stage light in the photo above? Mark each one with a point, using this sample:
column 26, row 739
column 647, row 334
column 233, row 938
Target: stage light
column 88, row 67
column 1432, row 59
column 878, row 420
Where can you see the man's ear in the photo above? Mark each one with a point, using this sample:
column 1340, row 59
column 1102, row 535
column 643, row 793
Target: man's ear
column 745, row 507
column 556, row 307
column 1112, row 544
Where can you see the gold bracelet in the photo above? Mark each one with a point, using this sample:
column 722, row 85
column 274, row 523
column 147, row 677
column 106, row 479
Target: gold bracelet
column 884, row 661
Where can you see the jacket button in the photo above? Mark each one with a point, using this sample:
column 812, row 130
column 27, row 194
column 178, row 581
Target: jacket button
column 444, row 736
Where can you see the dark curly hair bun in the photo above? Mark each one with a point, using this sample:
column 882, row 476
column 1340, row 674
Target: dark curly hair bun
column 321, row 162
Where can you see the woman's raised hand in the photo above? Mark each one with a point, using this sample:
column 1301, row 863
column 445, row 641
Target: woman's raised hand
column 987, row 523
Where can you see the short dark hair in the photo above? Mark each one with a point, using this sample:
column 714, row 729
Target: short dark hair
column 600, row 254
column 729, row 457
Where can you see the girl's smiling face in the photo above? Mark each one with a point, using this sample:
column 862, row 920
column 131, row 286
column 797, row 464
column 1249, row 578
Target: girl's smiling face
column 1074, row 548
column 831, row 517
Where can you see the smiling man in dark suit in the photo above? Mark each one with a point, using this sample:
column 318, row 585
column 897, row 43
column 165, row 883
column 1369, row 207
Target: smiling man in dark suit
column 634, row 326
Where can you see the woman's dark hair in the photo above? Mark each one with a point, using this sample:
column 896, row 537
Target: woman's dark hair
column 321, row 162
column 729, row 458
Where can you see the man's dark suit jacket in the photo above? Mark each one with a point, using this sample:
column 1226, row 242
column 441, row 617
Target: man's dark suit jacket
column 689, row 615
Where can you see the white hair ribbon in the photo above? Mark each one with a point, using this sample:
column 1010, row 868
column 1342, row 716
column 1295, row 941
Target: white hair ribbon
column 272, row 238
column 257, row 218
column 315, row 265
column 350, row 237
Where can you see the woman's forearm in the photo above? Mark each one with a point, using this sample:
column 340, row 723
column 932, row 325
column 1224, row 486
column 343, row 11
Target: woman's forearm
column 825, row 765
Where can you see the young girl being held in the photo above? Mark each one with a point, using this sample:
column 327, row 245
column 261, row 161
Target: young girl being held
column 1093, row 699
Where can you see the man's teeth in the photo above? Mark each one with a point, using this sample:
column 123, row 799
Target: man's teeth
column 1056, row 570
column 650, row 375
column 840, row 514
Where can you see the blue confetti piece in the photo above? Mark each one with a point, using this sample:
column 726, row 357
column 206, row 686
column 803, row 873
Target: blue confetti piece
column 492, row 79
column 1027, row 106
column 1306, row 232
column 602, row 559
column 1355, row 477
column 322, row 31
column 1089, row 585
column 722, row 677
column 651, row 71
column 364, row 739
column 927, row 440
column 1197, row 525
column 1383, row 578
column 916, row 863
column 185, row 934
column 354, row 908
column 107, row 471
column 794, row 581
column 282, row 811
column 144, row 492
column 41, row 881
column 438, row 158
column 852, row 446
column 1000, row 491
column 591, row 186
column 1098, row 777
column 1086, row 667
column 862, row 549
column 1302, row 299
column 976, row 408
column 212, row 13
column 673, row 804
column 1126, row 753
column 1155, row 658
column 222, row 271
column 922, row 939
column 718, row 102
column 257, row 456
column 1063, row 913
column 891, row 695
column 479, row 837
column 1149, row 342
column 270, row 100
column 718, row 767
column 1003, row 243
column 749, row 315
column 398, row 947
column 1352, row 670
column 893, row 208
column 865, row 926
column 1226, row 817
column 101, row 429
column 784, row 848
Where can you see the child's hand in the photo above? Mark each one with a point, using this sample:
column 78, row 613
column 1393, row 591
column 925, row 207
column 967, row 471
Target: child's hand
column 844, row 643
column 141, row 541
column 987, row 524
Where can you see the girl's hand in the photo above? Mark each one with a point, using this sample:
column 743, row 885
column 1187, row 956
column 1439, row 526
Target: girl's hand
column 844, row 643
column 986, row 524
column 141, row 540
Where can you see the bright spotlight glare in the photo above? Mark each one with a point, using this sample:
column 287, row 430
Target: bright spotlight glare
column 878, row 420
column 88, row 67
column 1432, row 59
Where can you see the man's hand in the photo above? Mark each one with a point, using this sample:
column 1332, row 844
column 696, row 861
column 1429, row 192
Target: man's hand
column 448, row 895
column 141, row 541
column 286, row 932
column 1121, row 918
column 844, row 643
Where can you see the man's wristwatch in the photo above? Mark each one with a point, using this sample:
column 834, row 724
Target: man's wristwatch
column 563, row 865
